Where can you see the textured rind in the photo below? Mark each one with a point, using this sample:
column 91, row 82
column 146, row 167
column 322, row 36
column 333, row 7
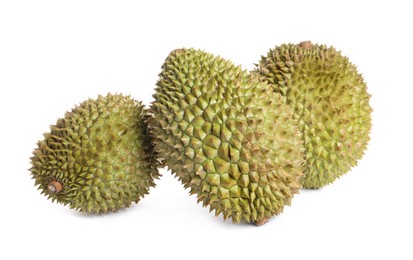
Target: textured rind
column 227, row 136
column 331, row 102
column 101, row 152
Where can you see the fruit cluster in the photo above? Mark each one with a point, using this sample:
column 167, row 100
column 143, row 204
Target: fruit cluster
column 243, row 142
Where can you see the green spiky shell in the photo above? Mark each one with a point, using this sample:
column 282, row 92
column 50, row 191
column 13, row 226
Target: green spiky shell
column 226, row 136
column 330, row 101
column 100, row 152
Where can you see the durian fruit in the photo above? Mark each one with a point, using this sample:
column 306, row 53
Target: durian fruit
column 226, row 136
column 99, row 157
column 331, row 102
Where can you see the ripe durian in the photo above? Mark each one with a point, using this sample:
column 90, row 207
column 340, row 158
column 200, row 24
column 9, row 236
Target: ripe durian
column 330, row 100
column 227, row 136
column 99, row 157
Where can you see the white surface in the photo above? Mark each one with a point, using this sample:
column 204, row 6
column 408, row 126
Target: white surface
column 54, row 54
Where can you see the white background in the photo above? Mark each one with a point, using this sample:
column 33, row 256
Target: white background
column 55, row 54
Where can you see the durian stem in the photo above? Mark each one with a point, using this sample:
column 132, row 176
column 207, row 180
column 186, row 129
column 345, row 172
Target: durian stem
column 55, row 186
column 306, row 45
column 261, row 222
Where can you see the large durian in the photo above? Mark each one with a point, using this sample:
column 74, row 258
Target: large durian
column 227, row 136
column 330, row 101
column 99, row 157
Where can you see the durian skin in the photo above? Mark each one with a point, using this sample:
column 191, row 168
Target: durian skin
column 216, row 129
column 331, row 102
column 102, row 154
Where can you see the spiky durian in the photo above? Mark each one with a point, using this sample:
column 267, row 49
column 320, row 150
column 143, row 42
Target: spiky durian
column 329, row 99
column 226, row 136
column 98, row 158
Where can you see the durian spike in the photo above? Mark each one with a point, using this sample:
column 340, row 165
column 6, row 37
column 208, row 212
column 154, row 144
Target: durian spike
column 55, row 186
column 261, row 222
column 306, row 45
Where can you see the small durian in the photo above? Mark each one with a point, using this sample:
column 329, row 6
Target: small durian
column 227, row 136
column 330, row 100
column 98, row 157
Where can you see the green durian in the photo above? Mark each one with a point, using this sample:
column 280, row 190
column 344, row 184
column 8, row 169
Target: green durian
column 98, row 157
column 227, row 136
column 330, row 100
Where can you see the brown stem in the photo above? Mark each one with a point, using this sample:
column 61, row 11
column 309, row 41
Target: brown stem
column 261, row 222
column 306, row 45
column 55, row 186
